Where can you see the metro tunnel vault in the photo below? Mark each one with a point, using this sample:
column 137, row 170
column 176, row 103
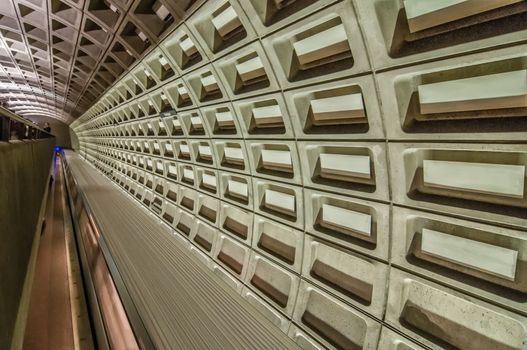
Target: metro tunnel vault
column 332, row 174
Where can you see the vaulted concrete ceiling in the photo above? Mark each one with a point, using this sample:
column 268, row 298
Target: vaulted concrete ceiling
column 58, row 56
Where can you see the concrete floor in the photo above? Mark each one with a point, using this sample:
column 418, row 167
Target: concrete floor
column 49, row 323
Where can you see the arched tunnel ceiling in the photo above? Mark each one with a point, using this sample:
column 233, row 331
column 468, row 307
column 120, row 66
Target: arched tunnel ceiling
column 58, row 56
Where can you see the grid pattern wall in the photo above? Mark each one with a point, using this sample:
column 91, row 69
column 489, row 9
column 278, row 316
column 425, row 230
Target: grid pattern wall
column 58, row 56
column 355, row 169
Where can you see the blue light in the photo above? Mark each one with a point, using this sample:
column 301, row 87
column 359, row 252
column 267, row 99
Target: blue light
column 57, row 148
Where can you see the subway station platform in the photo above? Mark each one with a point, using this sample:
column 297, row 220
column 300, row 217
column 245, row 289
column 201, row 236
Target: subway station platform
column 263, row 174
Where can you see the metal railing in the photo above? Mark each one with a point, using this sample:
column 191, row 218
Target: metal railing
column 15, row 127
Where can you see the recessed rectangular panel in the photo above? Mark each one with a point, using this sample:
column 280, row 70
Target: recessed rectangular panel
column 350, row 275
column 226, row 21
column 209, row 83
column 234, row 154
column 224, row 118
column 342, row 109
column 280, row 201
column 279, row 249
column 205, row 151
column 329, row 42
column 465, row 323
column 188, row 46
column 273, row 282
column 267, row 115
column 205, row 237
column 184, row 148
column 277, row 159
column 344, row 166
column 340, row 218
column 482, row 256
column 340, row 325
column 235, row 227
column 485, row 178
column 232, row 254
column 250, row 69
column 267, row 310
column 209, row 180
column 238, row 189
column 172, row 171
column 183, row 92
column 188, row 174
column 493, row 91
column 163, row 61
column 196, row 122
column 424, row 14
